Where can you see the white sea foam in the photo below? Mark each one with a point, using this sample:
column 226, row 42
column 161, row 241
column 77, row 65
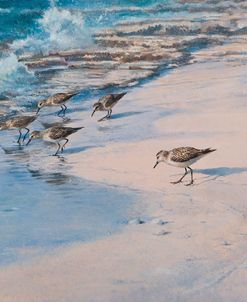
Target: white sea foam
column 13, row 72
column 4, row 10
column 60, row 29
column 9, row 65
column 65, row 29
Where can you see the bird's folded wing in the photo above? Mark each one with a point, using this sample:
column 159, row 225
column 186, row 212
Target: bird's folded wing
column 184, row 154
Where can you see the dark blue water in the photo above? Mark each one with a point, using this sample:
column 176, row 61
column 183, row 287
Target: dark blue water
column 19, row 18
column 30, row 29
column 44, row 27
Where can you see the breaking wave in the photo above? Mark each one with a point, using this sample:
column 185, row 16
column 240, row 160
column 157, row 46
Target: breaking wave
column 64, row 29
column 60, row 29
column 13, row 72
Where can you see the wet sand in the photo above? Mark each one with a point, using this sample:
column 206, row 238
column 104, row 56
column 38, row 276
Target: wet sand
column 193, row 246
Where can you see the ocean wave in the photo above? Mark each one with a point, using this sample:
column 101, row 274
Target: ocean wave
column 13, row 72
column 5, row 10
column 60, row 29
column 65, row 30
column 130, row 47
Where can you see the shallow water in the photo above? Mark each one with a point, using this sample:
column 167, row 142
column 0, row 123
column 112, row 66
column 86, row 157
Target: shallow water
column 42, row 206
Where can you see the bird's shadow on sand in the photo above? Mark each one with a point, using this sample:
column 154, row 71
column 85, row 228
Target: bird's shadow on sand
column 13, row 149
column 214, row 173
column 74, row 150
column 222, row 171
column 126, row 114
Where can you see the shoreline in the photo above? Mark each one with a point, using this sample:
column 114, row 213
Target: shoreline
column 199, row 251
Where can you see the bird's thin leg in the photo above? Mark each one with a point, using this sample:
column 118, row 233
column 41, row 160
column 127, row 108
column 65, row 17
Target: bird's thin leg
column 64, row 110
column 25, row 136
column 61, row 111
column 66, row 141
column 19, row 138
column 59, row 146
column 192, row 180
column 180, row 180
column 109, row 113
column 104, row 117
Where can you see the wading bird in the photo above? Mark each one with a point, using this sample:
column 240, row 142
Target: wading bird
column 106, row 103
column 58, row 99
column 18, row 122
column 55, row 135
column 182, row 157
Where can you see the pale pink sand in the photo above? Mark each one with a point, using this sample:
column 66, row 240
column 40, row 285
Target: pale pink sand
column 203, row 258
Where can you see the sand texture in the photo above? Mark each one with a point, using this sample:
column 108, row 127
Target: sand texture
column 193, row 246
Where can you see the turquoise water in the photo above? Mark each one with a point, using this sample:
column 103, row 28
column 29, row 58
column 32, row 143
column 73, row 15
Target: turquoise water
column 43, row 27
column 30, row 29
column 19, row 19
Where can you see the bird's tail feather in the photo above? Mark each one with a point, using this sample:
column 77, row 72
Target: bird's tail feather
column 73, row 93
column 78, row 128
column 120, row 95
column 208, row 150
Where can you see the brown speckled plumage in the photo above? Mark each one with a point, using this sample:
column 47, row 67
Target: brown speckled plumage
column 106, row 103
column 59, row 98
column 57, row 133
column 184, row 154
column 182, row 157
column 18, row 122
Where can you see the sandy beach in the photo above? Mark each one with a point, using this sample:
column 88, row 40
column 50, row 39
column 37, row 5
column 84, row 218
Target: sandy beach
column 192, row 246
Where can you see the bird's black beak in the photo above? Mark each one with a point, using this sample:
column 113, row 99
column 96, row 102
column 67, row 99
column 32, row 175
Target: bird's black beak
column 29, row 141
column 38, row 110
column 156, row 164
column 94, row 111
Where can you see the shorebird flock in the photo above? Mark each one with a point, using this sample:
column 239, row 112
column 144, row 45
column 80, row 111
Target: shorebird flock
column 182, row 157
column 56, row 134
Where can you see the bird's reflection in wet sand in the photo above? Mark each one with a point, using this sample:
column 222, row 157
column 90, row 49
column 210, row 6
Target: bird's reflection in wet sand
column 39, row 191
column 58, row 165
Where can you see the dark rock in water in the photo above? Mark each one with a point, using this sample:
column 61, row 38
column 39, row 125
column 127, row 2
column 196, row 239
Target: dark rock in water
column 150, row 30
column 159, row 221
column 4, row 46
column 137, row 221
column 2, row 112
column 226, row 243
column 162, row 233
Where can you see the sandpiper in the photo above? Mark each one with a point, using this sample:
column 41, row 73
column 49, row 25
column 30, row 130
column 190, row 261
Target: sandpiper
column 18, row 122
column 106, row 103
column 182, row 157
column 55, row 135
column 58, row 99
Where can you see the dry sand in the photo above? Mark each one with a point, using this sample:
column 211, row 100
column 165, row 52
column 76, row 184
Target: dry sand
column 200, row 254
